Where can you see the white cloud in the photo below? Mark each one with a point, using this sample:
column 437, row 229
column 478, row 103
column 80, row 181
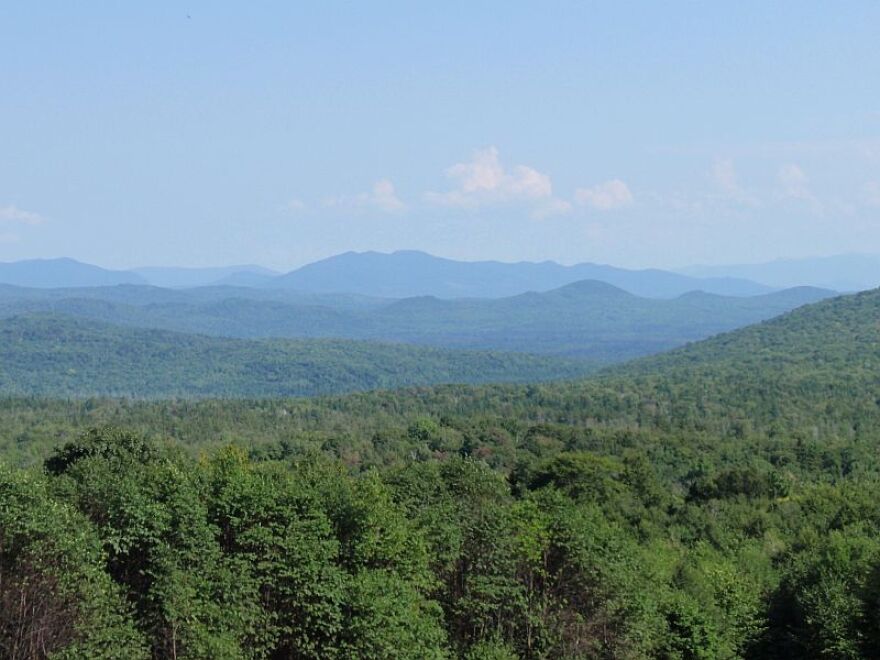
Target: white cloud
column 382, row 197
column 605, row 196
column 794, row 185
column 484, row 181
column 14, row 214
column 726, row 180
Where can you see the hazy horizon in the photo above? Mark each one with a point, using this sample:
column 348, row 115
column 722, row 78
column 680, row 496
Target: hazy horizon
column 281, row 270
column 278, row 135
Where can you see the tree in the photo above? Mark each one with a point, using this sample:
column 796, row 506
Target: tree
column 55, row 599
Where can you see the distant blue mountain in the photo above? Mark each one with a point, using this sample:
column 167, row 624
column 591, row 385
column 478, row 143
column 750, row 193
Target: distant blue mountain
column 588, row 319
column 247, row 279
column 62, row 273
column 411, row 273
column 246, row 275
column 402, row 274
column 842, row 272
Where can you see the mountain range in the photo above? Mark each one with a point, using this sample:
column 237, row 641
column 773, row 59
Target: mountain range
column 396, row 275
column 245, row 275
column 48, row 273
column 354, row 321
column 844, row 272
column 409, row 273
column 587, row 319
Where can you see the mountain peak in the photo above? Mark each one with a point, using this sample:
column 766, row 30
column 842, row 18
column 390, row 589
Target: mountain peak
column 592, row 288
column 63, row 272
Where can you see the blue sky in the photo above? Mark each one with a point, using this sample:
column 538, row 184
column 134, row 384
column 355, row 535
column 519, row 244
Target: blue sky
column 639, row 134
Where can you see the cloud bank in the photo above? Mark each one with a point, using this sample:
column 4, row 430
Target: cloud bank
column 484, row 181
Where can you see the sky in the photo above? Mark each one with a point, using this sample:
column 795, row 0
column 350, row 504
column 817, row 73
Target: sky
column 276, row 133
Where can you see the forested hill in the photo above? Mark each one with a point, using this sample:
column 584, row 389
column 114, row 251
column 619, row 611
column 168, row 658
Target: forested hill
column 815, row 370
column 63, row 357
column 816, row 365
column 717, row 502
column 812, row 373
column 589, row 318
column 838, row 333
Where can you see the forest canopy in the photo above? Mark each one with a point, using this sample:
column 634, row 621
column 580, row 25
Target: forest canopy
column 715, row 502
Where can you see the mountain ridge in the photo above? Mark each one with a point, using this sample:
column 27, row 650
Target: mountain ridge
column 587, row 319
column 407, row 273
column 842, row 272
column 410, row 273
column 63, row 271
column 184, row 277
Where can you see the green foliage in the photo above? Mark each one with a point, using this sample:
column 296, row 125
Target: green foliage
column 55, row 596
column 387, row 617
column 829, row 596
column 719, row 502
column 146, row 504
column 61, row 357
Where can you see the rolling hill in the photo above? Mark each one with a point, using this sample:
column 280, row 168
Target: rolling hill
column 816, row 368
column 62, row 357
column 140, row 294
column 588, row 319
column 810, row 376
column 728, row 488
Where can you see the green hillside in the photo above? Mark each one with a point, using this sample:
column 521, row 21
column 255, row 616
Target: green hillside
column 62, row 357
column 811, row 372
column 719, row 501
column 815, row 366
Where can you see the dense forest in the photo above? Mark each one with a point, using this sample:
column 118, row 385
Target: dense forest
column 718, row 501
column 59, row 356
